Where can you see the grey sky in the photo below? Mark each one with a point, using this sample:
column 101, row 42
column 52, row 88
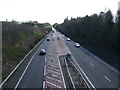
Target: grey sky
column 52, row 10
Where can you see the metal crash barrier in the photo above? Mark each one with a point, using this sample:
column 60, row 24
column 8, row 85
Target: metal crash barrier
column 83, row 82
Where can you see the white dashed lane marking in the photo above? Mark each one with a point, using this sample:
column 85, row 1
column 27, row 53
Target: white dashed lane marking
column 107, row 78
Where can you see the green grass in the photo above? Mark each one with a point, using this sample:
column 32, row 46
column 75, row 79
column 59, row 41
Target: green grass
column 22, row 38
column 15, row 48
column 14, row 52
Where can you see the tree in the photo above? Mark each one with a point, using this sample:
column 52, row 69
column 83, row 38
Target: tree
column 118, row 25
column 109, row 19
column 98, row 33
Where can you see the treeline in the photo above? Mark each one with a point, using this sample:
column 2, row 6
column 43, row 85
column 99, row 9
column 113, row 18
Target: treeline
column 18, row 39
column 97, row 33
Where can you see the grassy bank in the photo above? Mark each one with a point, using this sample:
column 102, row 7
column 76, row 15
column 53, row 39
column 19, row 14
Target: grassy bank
column 18, row 40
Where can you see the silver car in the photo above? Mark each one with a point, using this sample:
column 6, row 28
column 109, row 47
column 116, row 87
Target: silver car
column 42, row 51
column 68, row 39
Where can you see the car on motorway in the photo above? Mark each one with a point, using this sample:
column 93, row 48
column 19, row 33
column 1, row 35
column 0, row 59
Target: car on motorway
column 48, row 39
column 68, row 39
column 42, row 51
column 77, row 45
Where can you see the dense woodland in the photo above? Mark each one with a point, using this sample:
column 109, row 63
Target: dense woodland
column 97, row 33
column 18, row 39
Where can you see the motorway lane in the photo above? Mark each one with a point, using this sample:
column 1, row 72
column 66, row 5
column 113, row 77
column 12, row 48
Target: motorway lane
column 98, row 73
column 34, row 76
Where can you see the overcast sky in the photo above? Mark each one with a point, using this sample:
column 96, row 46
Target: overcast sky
column 52, row 11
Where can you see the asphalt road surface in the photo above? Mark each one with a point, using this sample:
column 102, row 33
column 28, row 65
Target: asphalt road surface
column 45, row 67
column 99, row 73
column 34, row 74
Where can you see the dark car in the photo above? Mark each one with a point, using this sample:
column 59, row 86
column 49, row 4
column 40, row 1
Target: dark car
column 42, row 51
column 48, row 39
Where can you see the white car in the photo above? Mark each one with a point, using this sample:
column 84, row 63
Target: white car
column 77, row 45
column 68, row 39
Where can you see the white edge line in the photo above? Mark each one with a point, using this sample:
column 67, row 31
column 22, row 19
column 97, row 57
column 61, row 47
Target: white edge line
column 84, row 74
column 61, row 72
column 27, row 67
column 45, row 66
column 76, row 67
column 43, row 85
column 82, row 71
column 44, row 74
column 98, row 59
column 101, row 60
column 23, row 73
column 107, row 78
column 69, row 74
column 80, row 74
column 20, row 63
